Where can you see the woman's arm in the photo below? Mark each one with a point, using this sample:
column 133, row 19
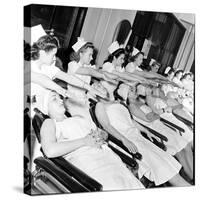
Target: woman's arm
column 89, row 71
column 150, row 75
column 150, row 103
column 46, row 82
column 104, row 121
column 137, row 112
column 52, row 148
column 73, row 80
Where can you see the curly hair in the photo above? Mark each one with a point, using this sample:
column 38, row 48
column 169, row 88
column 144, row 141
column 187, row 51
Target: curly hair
column 46, row 43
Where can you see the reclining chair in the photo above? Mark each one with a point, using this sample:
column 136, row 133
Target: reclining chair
column 184, row 120
column 57, row 175
column 61, row 175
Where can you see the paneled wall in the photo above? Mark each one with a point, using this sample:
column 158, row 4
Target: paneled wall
column 100, row 25
column 186, row 54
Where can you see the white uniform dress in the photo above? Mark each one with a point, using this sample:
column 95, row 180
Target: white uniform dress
column 175, row 142
column 162, row 165
column 130, row 67
column 49, row 71
column 109, row 67
column 187, row 135
column 81, row 106
column 101, row 164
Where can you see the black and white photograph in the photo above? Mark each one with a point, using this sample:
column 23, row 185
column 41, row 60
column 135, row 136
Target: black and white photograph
column 108, row 99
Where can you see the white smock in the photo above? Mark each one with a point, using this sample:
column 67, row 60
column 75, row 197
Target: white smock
column 102, row 164
column 161, row 166
column 80, row 106
column 109, row 67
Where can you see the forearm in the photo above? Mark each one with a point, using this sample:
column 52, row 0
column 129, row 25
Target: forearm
column 110, row 129
column 62, row 148
column 72, row 80
column 138, row 113
column 44, row 81
column 128, row 77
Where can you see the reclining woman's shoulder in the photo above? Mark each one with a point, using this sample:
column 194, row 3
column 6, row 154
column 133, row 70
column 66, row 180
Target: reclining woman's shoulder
column 48, row 124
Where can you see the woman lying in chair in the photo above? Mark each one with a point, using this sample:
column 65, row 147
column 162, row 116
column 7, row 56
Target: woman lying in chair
column 79, row 141
column 156, row 165
column 177, row 145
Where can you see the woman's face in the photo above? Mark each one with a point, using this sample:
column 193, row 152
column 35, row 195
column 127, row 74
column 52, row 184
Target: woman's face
column 120, row 60
column 141, row 90
column 132, row 93
column 48, row 58
column 171, row 75
column 155, row 68
column 138, row 61
column 86, row 56
column 56, row 104
column 179, row 75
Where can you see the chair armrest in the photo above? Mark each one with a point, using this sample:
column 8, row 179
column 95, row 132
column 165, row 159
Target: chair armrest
column 126, row 159
column 60, row 175
column 185, row 121
column 172, row 124
column 121, row 145
column 162, row 137
column 76, row 173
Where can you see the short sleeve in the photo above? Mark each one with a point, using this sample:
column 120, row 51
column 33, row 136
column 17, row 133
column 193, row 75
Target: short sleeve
column 50, row 71
column 72, row 67
column 108, row 67
column 130, row 68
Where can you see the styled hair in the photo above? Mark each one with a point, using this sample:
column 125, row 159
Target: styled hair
column 133, row 58
column 115, row 93
column 185, row 75
column 75, row 56
column 178, row 71
column 170, row 71
column 115, row 54
column 45, row 43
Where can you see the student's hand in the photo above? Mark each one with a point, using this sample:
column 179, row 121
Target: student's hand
column 95, row 92
column 92, row 141
column 101, row 134
column 62, row 91
column 130, row 145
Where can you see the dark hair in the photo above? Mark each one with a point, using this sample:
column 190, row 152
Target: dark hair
column 45, row 43
column 133, row 58
column 115, row 93
column 185, row 75
column 27, row 50
column 178, row 71
column 75, row 56
column 115, row 54
column 170, row 71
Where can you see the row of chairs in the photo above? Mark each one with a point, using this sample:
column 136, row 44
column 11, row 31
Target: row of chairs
column 57, row 175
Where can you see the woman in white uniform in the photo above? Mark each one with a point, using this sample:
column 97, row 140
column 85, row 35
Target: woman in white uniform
column 133, row 66
column 177, row 78
column 78, row 141
column 148, row 113
column 156, row 165
column 81, row 68
column 43, row 69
